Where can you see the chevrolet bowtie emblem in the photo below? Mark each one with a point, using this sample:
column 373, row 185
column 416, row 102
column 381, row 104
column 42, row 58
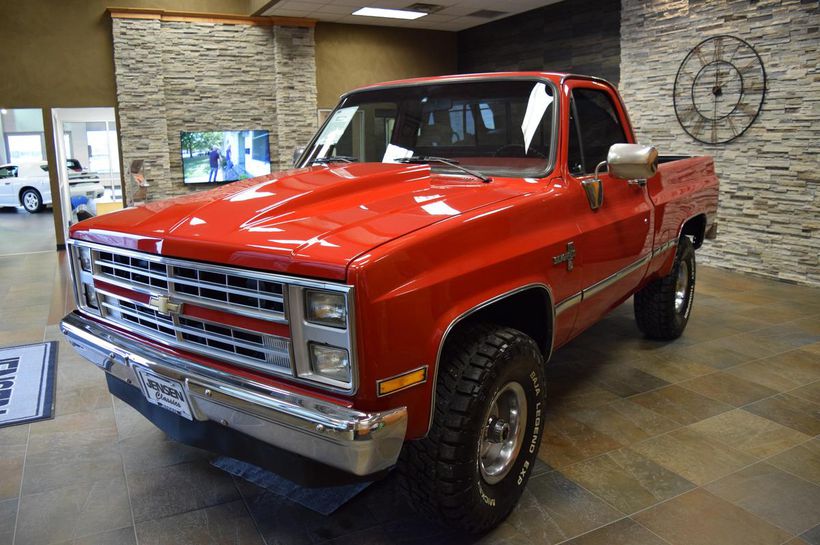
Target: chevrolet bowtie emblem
column 163, row 305
column 568, row 257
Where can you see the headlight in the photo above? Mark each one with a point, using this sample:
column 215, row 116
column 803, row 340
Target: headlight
column 85, row 258
column 326, row 308
column 330, row 362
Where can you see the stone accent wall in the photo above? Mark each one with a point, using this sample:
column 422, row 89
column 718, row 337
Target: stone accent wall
column 139, row 70
column 769, row 205
column 175, row 76
column 296, row 90
column 581, row 36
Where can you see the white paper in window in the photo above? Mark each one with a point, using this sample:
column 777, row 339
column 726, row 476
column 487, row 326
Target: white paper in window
column 537, row 105
column 392, row 153
column 335, row 128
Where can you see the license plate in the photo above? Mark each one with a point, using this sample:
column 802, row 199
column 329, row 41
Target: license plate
column 164, row 392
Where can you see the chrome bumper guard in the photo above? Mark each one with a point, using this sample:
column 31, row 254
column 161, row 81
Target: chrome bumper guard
column 353, row 441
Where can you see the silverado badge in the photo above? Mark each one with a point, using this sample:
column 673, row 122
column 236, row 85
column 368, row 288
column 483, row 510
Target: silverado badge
column 568, row 257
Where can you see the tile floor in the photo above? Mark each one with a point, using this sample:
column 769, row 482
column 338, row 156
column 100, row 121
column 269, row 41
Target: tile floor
column 710, row 440
column 21, row 232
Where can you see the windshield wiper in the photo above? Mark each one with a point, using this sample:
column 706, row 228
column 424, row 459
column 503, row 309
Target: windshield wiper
column 449, row 162
column 334, row 159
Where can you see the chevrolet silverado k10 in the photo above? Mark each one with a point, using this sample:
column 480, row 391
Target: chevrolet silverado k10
column 392, row 300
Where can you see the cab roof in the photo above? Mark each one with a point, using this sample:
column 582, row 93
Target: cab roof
column 555, row 77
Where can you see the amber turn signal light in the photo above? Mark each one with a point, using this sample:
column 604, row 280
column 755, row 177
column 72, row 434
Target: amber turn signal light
column 400, row 382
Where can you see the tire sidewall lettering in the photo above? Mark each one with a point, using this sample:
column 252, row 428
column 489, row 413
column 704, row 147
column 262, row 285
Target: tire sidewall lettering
column 497, row 496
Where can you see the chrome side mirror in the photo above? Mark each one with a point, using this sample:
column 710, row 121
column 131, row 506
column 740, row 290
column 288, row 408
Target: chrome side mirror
column 297, row 154
column 594, row 188
column 632, row 162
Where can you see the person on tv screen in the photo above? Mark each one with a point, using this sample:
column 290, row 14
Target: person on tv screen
column 228, row 162
column 214, row 157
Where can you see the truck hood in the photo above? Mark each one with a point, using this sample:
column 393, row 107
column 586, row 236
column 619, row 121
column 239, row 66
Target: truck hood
column 308, row 222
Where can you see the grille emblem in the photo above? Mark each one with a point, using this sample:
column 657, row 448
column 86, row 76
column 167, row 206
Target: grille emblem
column 163, row 305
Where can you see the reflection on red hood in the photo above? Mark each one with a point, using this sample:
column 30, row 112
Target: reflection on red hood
column 309, row 222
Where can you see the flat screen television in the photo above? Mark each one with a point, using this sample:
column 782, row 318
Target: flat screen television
column 224, row 156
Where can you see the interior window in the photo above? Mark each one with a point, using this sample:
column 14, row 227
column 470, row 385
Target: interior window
column 599, row 124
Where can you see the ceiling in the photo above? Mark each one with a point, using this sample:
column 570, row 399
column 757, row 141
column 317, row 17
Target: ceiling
column 454, row 15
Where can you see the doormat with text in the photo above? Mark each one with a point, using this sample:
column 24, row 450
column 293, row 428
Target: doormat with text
column 27, row 375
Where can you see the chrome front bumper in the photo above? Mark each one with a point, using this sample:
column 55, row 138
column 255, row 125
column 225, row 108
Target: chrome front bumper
column 353, row 441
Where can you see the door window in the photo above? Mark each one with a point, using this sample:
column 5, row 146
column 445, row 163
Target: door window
column 575, row 155
column 599, row 126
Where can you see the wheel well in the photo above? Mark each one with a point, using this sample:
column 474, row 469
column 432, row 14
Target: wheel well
column 696, row 228
column 24, row 189
column 528, row 311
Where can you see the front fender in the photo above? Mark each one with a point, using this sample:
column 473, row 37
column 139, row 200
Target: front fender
column 412, row 291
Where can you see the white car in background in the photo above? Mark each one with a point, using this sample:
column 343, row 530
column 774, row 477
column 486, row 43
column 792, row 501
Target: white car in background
column 26, row 184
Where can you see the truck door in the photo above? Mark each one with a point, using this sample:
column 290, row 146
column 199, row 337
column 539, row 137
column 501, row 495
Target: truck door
column 616, row 238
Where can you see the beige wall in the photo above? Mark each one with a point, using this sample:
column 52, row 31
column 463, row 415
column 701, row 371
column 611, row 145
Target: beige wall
column 348, row 56
column 58, row 53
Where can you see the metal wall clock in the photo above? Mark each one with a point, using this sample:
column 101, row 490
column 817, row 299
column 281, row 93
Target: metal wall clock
column 719, row 89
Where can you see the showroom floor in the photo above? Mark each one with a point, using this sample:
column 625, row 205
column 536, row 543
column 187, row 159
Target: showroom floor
column 712, row 439
column 21, row 232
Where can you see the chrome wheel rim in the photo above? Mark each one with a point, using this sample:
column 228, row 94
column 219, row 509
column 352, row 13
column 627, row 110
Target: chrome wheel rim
column 682, row 287
column 30, row 201
column 503, row 432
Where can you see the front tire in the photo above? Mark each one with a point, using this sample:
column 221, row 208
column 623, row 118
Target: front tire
column 31, row 200
column 471, row 469
column 663, row 306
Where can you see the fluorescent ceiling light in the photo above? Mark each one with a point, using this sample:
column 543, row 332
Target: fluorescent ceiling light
column 389, row 13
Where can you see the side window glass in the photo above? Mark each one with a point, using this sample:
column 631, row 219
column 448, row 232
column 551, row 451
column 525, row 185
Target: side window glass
column 575, row 158
column 600, row 125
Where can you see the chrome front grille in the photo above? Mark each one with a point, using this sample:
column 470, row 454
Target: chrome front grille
column 207, row 285
column 249, row 318
column 232, row 289
column 220, row 341
column 138, row 271
column 228, row 290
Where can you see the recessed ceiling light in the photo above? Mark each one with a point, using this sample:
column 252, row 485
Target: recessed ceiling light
column 389, row 13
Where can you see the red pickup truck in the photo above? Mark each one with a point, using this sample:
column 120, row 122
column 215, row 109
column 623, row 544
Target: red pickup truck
column 393, row 299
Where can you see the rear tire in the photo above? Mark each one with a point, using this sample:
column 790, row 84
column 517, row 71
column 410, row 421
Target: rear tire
column 31, row 200
column 471, row 469
column 662, row 307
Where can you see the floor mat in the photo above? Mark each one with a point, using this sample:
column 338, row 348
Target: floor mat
column 27, row 376
column 321, row 500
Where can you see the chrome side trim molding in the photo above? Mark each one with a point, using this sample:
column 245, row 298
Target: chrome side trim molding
column 569, row 302
column 663, row 247
column 615, row 277
column 597, row 287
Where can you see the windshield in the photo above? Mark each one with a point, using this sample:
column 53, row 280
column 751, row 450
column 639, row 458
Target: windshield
column 499, row 127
